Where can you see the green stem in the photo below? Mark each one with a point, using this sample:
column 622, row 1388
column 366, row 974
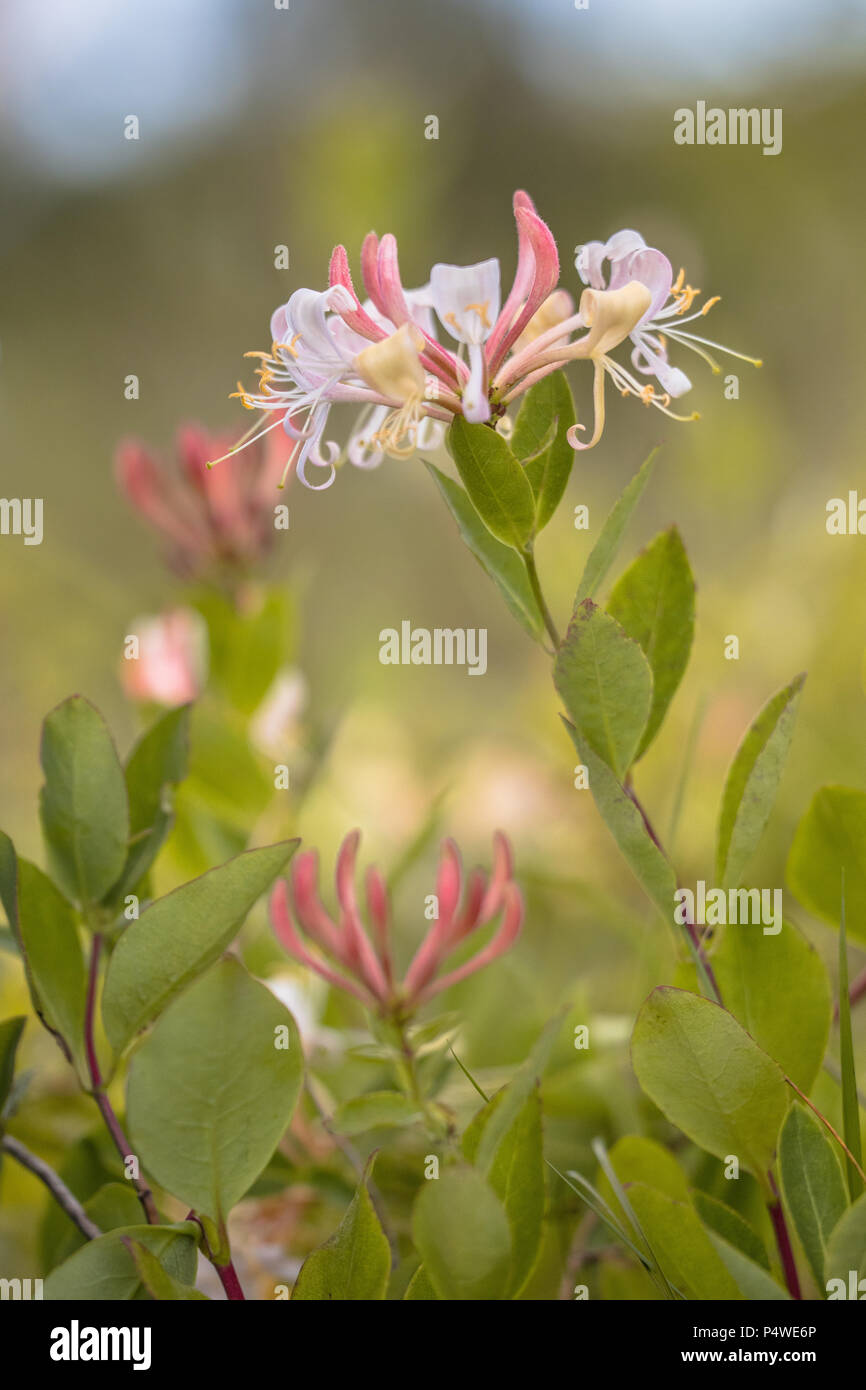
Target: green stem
column 407, row 1065
column 535, row 585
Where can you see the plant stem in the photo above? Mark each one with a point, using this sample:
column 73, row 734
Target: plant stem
column 230, row 1282
column 113, row 1125
column 55, row 1184
column 694, row 934
column 535, row 585
column 783, row 1242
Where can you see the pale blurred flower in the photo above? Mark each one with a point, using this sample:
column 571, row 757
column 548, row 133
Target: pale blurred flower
column 171, row 665
column 275, row 726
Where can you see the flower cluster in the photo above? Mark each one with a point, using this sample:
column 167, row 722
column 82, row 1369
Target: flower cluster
column 210, row 518
column 384, row 355
column 362, row 964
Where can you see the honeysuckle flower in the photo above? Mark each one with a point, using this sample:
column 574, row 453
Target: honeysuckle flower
column 208, row 518
column 383, row 354
column 632, row 262
column 171, row 664
column 360, row 962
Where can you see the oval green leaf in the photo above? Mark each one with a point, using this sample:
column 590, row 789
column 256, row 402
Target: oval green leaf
column 213, row 1087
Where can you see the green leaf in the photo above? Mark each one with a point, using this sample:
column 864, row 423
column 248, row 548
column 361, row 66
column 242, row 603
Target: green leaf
column 654, row 603
column 212, row 1089
column 709, row 1077
column 10, row 1035
column 104, row 1269
column 722, row 1220
column 682, row 1247
column 499, row 561
column 515, row 1095
column 846, row 1251
column 114, row 1204
column 419, row 1288
column 496, row 483
column 462, row 1234
column 374, row 1110
column 636, row 1159
column 158, row 761
column 605, row 549
column 516, row 1175
column 85, row 816
column 606, row 685
column 355, row 1263
column 46, row 929
column 754, row 972
column 831, row 840
column 248, row 648
column 651, row 868
column 753, row 782
column 752, row 1279
column 156, row 1280
column 547, row 407
column 812, row 1184
column 179, row 936
column 850, row 1099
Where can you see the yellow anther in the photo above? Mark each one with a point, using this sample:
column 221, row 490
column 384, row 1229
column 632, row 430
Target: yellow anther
column 265, row 356
column 287, row 347
column 647, row 394
column 243, row 396
column 710, row 302
column 686, row 296
column 481, row 311
column 678, row 283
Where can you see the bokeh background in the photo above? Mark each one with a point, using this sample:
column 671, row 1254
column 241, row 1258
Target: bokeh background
column 305, row 126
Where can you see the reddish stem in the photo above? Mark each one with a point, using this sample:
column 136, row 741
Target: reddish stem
column 112, row 1124
column 783, row 1242
column 230, row 1281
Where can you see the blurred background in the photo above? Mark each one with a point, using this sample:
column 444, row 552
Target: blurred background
column 305, row 126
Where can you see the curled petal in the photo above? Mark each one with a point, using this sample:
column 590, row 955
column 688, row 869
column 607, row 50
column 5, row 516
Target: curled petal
column 357, row 317
column 545, row 274
column 501, row 874
column 653, row 269
column 380, row 917
column 311, row 913
column 670, row 378
column 356, row 950
column 284, row 930
column 502, row 941
column 449, row 880
column 393, row 301
column 370, row 269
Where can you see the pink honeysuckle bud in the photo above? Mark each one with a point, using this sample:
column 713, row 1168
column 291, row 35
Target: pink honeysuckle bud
column 210, row 517
column 362, row 964
column 284, row 930
column 501, row 942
